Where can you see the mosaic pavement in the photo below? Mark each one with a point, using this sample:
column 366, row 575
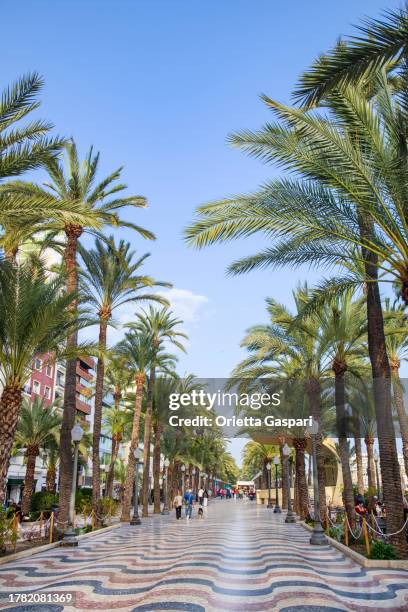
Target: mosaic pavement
column 240, row 557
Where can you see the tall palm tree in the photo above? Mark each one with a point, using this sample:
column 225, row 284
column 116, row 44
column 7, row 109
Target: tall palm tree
column 343, row 331
column 136, row 348
column 111, row 278
column 396, row 337
column 37, row 426
column 291, row 348
column 102, row 200
column 350, row 195
column 34, row 318
column 160, row 326
column 118, row 379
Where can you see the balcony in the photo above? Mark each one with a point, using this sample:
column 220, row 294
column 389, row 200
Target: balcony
column 83, row 407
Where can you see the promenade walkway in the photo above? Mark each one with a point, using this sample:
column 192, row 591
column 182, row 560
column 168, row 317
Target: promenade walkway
column 240, row 557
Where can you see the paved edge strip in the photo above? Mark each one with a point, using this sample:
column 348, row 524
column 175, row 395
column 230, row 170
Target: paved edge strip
column 36, row 550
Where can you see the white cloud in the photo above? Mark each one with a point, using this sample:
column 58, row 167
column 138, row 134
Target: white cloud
column 185, row 304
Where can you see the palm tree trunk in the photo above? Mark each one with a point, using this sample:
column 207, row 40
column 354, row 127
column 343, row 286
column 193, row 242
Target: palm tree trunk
column 116, row 439
column 10, row 403
column 50, row 480
column 369, row 442
column 339, row 368
column 156, row 468
column 285, row 474
column 359, row 465
column 146, row 441
column 313, row 392
column 134, row 443
column 401, row 412
column 97, row 420
column 115, row 450
column 31, row 454
column 68, row 417
column 390, row 472
column 301, row 484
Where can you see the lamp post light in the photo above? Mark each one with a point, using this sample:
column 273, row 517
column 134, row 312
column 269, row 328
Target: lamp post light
column 318, row 537
column 135, row 520
column 376, row 459
column 70, row 538
column 268, row 467
column 277, row 509
column 183, row 469
column 290, row 515
column 166, row 489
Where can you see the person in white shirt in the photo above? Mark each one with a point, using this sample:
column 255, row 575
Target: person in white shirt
column 201, row 496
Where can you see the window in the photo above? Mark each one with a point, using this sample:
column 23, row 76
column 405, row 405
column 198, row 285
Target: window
column 49, row 371
column 60, row 379
column 38, row 364
column 47, row 392
column 36, row 387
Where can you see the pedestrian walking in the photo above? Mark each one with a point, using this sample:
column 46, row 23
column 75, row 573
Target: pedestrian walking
column 200, row 495
column 188, row 500
column 178, row 503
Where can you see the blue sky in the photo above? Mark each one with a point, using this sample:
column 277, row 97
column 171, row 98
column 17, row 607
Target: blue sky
column 157, row 86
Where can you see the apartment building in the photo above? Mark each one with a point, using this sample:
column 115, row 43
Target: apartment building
column 47, row 381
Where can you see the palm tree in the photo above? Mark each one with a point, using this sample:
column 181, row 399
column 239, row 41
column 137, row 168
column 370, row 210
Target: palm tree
column 160, row 326
column 111, row 279
column 51, row 462
column 396, row 338
column 343, row 330
column 291, row 348
column 34, row 318
column 349, row 197
column 378, row 43
column 255, row 457
column 26, row 147
column 37, row 426
column 102, row 203
column 136, row 349
column 361, row 400
column 118, row 378
column 118, row 423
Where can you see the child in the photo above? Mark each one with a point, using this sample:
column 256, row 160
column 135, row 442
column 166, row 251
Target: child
column 200, row 511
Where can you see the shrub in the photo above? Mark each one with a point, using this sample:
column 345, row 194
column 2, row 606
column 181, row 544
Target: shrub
column 42, row 501
column 382, row 550
column 6, row 531
column 336, row 533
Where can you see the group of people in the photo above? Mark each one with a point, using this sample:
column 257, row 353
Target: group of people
column 190, row 500
column 374, row 505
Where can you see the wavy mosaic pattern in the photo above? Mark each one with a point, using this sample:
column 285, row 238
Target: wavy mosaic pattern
column 240, row 557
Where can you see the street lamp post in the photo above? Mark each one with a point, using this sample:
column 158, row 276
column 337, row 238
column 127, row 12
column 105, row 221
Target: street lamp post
column 268, row 467
column 166, row 488
column 376, row 458
column 193, row 473
column 135, row 520
column 277, row 509
column 70, row 538
column 318, row 537
column 290, row 515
